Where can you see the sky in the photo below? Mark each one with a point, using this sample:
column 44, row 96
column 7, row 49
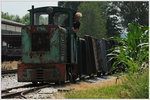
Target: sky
column 21, row 8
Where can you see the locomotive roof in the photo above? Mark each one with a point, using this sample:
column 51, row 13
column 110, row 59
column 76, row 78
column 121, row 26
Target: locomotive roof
column 55, row 8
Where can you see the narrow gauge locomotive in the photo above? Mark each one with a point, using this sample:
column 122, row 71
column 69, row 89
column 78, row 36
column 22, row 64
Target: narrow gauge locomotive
column 50, row 53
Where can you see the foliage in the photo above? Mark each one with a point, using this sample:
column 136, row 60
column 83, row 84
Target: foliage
column 15, row 18
column 134, row 12
column 112, row 27
column 119, row 14
column 26, row 19
column 69, row 4
column 113, row 24
column 137, row 84
column 132, row 50
column 92, row 22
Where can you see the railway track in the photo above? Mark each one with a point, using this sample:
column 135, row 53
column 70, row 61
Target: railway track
column 21, row 94
column 31, row 88
column 9, row 71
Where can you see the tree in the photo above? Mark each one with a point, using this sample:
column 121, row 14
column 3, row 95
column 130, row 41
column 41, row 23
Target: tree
column 26, row 19
column 134, row 12
column 15, row 18
column 92, row 22
column 69, row 4
column 126, row 12
column 6, row 16
column 113, row 24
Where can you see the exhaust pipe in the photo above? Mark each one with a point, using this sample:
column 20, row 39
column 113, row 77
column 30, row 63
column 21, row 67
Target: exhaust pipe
column 32, row 15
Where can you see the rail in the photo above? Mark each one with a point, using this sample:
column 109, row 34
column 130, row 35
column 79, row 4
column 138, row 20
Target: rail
column 9, row 71
column 6, row 94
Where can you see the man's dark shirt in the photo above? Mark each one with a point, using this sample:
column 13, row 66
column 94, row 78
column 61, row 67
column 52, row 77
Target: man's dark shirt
column 76, row 25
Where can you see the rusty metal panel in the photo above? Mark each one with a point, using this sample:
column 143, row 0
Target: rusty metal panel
column 82, row 56
column 109, row 45
column 105, row 46
column 91, row 67
column 43, row 44
column 73, row 49
column 103, row 55
column 97, row 54
column 41, row 72
column 99, row 58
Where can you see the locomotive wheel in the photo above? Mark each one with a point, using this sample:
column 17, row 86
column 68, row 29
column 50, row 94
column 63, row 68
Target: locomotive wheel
column 91, row 76
column 59, row 82
column 34, row 83
column 37, row 83
column 72, row 78
column 103, row 73
column 109, row 73
column 99, row 74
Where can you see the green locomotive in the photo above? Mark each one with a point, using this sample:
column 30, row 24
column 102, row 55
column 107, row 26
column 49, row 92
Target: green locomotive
column 48, row 46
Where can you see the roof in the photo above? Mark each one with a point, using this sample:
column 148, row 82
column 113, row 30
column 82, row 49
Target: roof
column 55, row 8
column 9, row 22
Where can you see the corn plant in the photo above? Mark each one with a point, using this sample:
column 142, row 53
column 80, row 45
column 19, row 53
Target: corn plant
column 132, row 51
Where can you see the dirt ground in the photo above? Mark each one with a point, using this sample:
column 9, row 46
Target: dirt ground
column 10, row 65
column 85, row 86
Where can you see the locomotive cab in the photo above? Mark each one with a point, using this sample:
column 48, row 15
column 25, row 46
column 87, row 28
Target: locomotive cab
column 47, row 46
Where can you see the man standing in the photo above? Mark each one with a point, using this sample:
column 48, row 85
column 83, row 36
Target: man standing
column 75, row 28
column 76, row 23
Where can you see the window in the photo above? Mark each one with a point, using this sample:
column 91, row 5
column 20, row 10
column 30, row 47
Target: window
column 3, row 26
column 18, row 29
column 41, row 19
column 11, row 28
column 61, row 19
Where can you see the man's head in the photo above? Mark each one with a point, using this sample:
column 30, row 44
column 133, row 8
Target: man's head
column 78, row 15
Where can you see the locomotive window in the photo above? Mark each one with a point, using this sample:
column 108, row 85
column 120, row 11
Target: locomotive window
column 41, row 19
column 40, row 41
column 61, row 19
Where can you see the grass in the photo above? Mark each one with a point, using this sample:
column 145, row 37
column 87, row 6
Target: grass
column 118, row 74
column 138, row 83
column 135, row 87
column 104, row 92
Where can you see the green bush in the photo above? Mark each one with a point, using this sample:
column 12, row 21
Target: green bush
column 132, row 55
column 137, row 85
column 132, row 51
